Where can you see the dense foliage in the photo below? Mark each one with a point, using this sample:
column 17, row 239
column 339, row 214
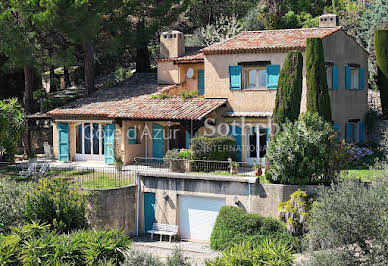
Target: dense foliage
column 34, row 244
column 141, row 258
column 295, row 211
column 351, row 219
column 318, row 99
column 11, row 128
column 233, row 225
column 381, row 48
column 176, row 159
column 57, row 203
column 213, row 148
column 305, row 152
column 12, row 195
column 267, row 252
column 289, row 91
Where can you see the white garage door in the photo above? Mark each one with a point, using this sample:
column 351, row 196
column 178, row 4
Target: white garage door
column 197, row 216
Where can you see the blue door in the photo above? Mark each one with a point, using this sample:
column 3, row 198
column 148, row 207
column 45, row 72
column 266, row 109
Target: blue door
column 63, row 142
column 235, row 132
column 149, row 210
column 109, row 143
column 201, row 82
column 157, row 141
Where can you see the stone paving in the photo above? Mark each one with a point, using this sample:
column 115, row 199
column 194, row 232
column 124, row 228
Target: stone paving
column 196, row 252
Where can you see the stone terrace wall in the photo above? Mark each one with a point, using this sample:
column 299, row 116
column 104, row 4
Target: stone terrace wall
column 112, row 208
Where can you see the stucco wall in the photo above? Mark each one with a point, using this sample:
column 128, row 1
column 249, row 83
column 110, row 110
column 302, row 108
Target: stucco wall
column 189, row 84
column 112, row 208
column 264, row 198
column 168, row 73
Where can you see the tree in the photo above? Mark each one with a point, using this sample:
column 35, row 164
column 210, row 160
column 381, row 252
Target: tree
column 381, row 48
column 318, row 99
column 305, row 152
column 289, row 92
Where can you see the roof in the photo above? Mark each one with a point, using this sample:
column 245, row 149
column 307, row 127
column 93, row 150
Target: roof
column 268, row 40
column 192, row 55
column 248, row 114
column 132, row 99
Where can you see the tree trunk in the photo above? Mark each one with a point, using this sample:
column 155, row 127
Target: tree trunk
column 27, row 100
column 89, row 66
column 53, row 83
column 67, row 77
column 142, row 54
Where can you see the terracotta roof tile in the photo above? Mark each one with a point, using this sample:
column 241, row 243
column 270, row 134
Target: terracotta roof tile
column 133, row 100
column 191, row 54
column 268, row 40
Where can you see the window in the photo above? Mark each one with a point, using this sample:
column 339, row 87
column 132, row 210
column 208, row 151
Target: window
column 89, row 141
column 355, row 75
column 132, row 136
column 254, row 78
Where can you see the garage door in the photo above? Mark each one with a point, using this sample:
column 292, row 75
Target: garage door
column 197, row 216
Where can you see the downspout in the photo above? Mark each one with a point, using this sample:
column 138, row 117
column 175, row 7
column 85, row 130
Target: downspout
column 249, row 197
column 137, row 203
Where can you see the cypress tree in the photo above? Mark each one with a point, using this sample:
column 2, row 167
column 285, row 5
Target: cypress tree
column 318, row 99
column 289, row 92
column 381, row 48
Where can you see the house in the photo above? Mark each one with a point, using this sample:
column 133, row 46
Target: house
column 236, row 82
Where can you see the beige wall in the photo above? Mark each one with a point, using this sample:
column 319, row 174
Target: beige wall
column 55, row 140
column 189, row 84
column 168, row 72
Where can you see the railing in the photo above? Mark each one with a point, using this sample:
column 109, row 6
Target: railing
column 196, row 166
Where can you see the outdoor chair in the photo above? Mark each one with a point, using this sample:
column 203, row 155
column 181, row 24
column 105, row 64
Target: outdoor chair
column 30, row 170
column 43, row 170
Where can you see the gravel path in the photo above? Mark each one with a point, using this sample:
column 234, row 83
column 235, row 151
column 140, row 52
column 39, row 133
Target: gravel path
column 196, row 253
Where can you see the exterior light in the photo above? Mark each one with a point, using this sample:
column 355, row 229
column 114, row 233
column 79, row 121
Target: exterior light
column 236, row 201
column 164, row 195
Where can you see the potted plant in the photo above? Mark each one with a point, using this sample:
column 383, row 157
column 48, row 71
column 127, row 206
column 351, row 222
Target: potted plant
column 258, row 169
column 233, row 167
column 118, row 163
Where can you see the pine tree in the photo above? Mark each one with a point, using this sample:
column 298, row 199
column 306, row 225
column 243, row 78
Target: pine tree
column 318, row 99
column 289, row 91
column 381, row 48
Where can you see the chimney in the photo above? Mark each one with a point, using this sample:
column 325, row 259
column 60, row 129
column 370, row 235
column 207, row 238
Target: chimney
column 172, row 44
column 328, row 21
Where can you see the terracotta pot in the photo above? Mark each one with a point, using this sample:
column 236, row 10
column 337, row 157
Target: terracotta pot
column 259, row 172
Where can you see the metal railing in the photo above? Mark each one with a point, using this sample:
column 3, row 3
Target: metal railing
column 196, row 166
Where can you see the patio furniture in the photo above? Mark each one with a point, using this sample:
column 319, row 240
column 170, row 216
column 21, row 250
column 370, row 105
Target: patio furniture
column 43, row 169
column 163, row 229
column 30, row 170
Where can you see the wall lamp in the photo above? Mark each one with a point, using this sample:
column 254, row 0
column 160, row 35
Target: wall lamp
column 236, row 201
column 164, row 195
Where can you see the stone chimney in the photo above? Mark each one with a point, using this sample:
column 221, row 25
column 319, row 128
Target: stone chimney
column 172, row 44
column 328, row 21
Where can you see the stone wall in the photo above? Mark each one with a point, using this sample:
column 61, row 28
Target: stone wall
column 112, row 208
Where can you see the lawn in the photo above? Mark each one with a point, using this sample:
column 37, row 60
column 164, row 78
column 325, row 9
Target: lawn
column 362, row 174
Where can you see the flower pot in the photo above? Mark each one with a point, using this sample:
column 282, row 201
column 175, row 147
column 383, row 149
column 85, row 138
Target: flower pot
column 259, row 172
column 234, row 170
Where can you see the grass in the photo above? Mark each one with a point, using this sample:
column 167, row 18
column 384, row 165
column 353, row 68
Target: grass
column 105, row 181
column 362, row 174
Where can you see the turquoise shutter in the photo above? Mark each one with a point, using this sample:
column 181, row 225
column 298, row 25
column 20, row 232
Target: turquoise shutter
column 361, row 132
column 131, row 135
column 235, row 77
column 109, row 143
column 157, row 141
column 201, row 82
column 188, row 139
column 348, row 133
column 362, row 78
column 273, row 72
column 334, row 77
column 235, row 132
column 336, row 129
column 348, row 77
column 63, row 142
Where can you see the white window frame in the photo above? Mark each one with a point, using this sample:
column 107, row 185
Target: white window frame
column 88, row 157
column 249, row 159
column 354, row 78
column 246, row 70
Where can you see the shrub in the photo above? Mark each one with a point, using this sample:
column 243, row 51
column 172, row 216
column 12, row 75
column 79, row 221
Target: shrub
column 234, row 225
column 289, row 91
column 188, row 94
column 141, row 258
column 213, row 148
column 175, row 157
column 295, row 212
column 318, row 99
column 267, row 253
column 34, row 244
column 177, row 259
column 12, row 126
column 352, row 217
column 12, row 195
column 381, row 44
column 305, row 152
column 57, row 203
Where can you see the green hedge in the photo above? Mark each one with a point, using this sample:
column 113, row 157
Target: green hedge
column 381, row 48
column 34, row 244
column 233, row 225
column 213, row 148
